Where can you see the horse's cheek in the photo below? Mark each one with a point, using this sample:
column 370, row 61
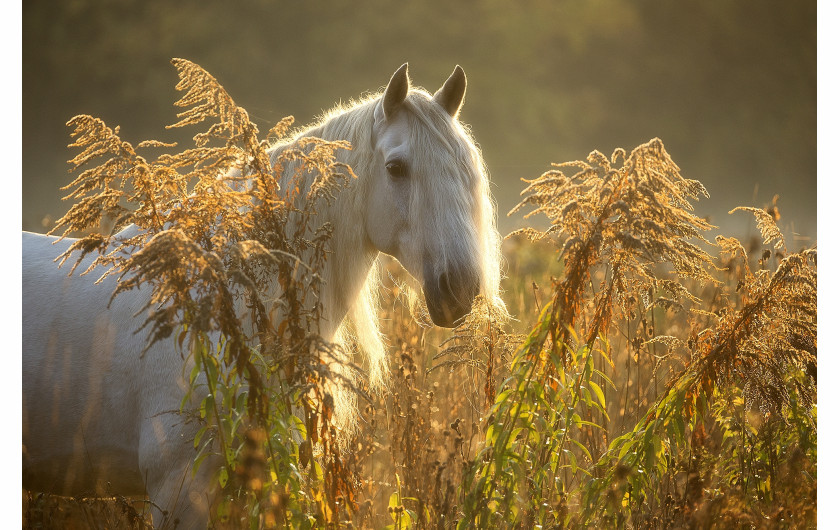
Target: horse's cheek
column 383, row 223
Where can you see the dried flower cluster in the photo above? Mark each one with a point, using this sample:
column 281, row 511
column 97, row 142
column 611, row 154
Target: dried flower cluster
column 658, row 387
column 213, row 232
column 632, row 219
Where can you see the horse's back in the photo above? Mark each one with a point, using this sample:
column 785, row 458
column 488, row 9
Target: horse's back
column 77, row 389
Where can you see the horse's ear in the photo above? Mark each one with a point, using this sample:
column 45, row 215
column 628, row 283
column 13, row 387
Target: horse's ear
column 396, row 92
column 451, row 94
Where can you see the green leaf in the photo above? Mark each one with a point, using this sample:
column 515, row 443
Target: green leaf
column 599, row 394
column 582, row 448
column 572, row 460
column 194, row 372
column 199, row 435
column 393, row 502
column 503, row 395
column 202, row 454
column 679, row 428
column 618, row 441
column 513, row 436
column 606, row 379
column 212, row 367
column 206, row 408
column 411, row 515
column 589, row 423
column 586, row 395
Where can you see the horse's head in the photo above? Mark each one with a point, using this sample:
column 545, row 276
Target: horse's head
column 428, row 200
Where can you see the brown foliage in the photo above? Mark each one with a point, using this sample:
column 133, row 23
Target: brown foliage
column 730, row 336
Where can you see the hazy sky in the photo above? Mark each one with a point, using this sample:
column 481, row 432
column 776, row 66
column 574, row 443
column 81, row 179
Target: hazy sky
column 730, row 87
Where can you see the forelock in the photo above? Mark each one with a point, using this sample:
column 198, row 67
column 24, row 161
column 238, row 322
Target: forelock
column 439, row 142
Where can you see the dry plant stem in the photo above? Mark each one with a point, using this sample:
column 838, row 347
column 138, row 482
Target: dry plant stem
column 617, row 230
column 237, row 233
column 601, row 320
column 604, row 229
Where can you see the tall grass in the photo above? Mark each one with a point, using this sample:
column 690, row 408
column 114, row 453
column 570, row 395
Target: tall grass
column 650, row 378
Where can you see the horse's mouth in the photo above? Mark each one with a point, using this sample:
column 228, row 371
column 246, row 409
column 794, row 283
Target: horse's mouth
column 443, row 315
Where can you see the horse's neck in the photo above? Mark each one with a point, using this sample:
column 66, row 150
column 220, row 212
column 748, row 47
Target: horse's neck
column 347, row 272
column 346, row 269
column 351, row 255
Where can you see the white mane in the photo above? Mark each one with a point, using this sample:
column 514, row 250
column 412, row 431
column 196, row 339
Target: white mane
column 100, row 417
column 464, row 213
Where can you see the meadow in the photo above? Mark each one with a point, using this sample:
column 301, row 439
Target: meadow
column 647, row 372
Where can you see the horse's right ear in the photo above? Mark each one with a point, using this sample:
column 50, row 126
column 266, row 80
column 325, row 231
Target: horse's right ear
column 396, row 92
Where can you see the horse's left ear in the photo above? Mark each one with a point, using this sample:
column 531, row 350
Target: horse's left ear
column 396, row 92
column 451, row 94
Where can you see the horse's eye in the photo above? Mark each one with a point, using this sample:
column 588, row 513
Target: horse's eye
column 396, row 169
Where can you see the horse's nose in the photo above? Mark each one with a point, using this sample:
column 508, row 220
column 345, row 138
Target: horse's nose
column 444, row 286
column 456, row 294
column 449, row 295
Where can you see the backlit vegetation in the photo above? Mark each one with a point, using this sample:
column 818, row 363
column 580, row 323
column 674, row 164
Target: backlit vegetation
column 651, row 379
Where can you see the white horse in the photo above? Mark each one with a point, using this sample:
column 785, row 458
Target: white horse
column 100, row 418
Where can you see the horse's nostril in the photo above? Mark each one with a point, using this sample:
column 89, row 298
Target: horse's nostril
column 459, row 292
column 444, row 286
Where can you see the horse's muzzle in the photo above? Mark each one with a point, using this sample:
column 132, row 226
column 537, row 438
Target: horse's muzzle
column 449, row 296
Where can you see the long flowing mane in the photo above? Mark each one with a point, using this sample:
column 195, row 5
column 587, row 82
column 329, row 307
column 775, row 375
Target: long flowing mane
column 422, row 196
column 456, row 198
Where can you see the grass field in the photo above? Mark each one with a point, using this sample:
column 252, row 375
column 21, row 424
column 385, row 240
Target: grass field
column 654, row 374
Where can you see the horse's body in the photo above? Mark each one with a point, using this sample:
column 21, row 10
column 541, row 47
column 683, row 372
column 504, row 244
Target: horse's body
column 101, row 417
column 98, row 417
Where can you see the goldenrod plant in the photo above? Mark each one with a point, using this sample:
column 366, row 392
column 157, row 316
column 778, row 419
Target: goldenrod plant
column 213, row 226
column 646, row 374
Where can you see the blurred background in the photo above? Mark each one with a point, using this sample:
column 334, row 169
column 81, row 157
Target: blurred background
column 729, row 86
